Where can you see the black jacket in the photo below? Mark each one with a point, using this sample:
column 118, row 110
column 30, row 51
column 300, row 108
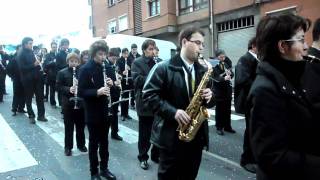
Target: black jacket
column 50, row 67
column 311, row 79
column 245, row 73
column 165, row 91
column 131, row 58
column 28, row 71
column 283, row 131
column 140, row 70
column 90, row 80
column 121, row 67
column 114, row 90
column 222, row 88
column 13, row 69
column 61, row 61
column 4, row 58
column 63, row 84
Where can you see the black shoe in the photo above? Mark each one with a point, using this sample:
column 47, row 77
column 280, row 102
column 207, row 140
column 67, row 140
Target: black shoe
column 144, row 165
column 220, row 132
column 95, row 177
column 21, row 111
column 32, row 120
column 128, row 117
column 83, row 149
column 123, row 118
column 230, row 130
column 155, row 159
column 43, row 119
column 68, row 152
column 14, row 113
column 250, row 167
column 107, row 174
column 116, row 137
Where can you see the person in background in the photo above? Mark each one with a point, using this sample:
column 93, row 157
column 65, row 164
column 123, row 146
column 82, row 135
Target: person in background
column 245, row 73
column 84, row 57
column 312, row 72
column 18, row 100
column 223, row 93
column 140, row 70
column 31, row 74
column 283, row 130
column 124, row 68
column 50, row 68
column 4, row 57
column 67, row 84
column 133, row 55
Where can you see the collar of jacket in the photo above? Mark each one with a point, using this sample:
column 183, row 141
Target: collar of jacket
column 176, row 64
column 265, row 68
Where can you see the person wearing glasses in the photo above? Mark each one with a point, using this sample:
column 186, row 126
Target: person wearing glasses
column 283, row 130
column 168, row 90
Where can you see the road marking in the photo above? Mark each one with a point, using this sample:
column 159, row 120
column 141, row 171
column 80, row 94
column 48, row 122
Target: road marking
column 130, row 136
column 13, row 153
column 226, row 160
column 55, row 129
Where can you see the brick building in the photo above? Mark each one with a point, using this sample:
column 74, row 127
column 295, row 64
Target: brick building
column 234, row 21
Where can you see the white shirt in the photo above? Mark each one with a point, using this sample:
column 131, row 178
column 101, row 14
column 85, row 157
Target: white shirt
column 254, row 55
column 191, row 69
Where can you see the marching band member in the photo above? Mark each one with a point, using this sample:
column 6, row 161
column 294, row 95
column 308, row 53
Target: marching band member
column 168, row 90
column 73, row 113
column 113, row 56
column 133, row 55
column 94, row 88
column 140, row 70
column 32, row 79
column 124, row 65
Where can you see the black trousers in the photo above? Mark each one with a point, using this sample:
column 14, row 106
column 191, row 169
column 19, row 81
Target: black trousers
column 52, row 90
column 2, row 85
column 73, row 118
column 132, row 103
column 31, row 88
column 125, row 104
column 114, row 120
column 18, row 101
column 181, row 163
column 223, row 114
column 98, row 140
column 145, row 127
column 247, row 156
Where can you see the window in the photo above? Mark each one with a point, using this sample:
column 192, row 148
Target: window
column 111, row 2
column 154, row 7
column 123, row 22
column 187, row 6
column 112, row 27
column 240, row 23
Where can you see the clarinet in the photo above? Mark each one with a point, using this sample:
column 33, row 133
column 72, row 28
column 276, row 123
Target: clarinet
column 106, row 85
column 126, row 69
column 75, row 98
column 311, row 59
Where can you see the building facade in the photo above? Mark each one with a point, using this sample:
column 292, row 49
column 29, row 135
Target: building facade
column 228, row 24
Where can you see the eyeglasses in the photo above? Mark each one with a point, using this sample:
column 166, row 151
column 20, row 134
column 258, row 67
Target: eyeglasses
column 197, row 42
column 295, row 39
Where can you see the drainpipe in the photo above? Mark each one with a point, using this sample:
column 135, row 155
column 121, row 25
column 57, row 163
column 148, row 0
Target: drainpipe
column 212, row 26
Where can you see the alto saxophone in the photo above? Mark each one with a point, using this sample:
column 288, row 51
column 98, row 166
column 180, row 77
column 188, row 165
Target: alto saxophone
column 197, row 112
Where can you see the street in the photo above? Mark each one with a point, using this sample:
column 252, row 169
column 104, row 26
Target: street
column 36, row 152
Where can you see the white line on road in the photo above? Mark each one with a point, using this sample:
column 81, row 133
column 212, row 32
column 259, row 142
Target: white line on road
column 13, row 153
column 222, row 159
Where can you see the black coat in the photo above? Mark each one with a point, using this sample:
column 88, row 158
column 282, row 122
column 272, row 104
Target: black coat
column 165, row 91
column 61, row 61
column 13, row 69
column 131, row 58
column 222, row 88
column 121, row 67
column 114, row 90
column 50, row 66
column 4, row 58
column 63, row 84
column 311, row 79
column 245, row 73
column 90, row 80
column 140, row 70
column 283, row 131
column 28, row 71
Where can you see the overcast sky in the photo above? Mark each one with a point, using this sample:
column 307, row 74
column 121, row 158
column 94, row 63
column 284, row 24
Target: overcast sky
column 21, row 18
